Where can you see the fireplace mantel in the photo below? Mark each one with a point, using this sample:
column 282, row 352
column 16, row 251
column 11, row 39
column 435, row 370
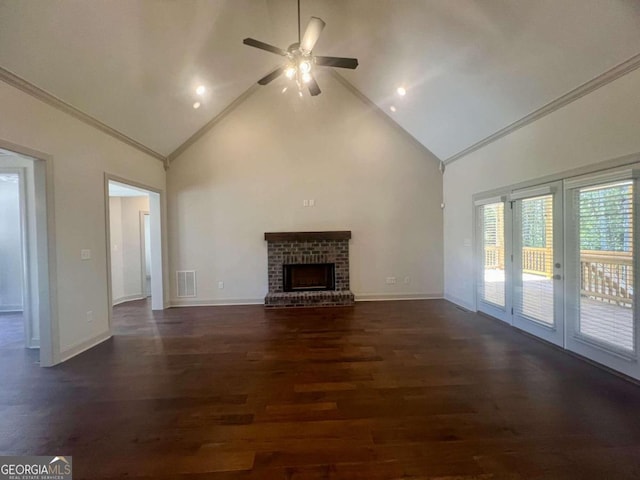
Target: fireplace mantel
column 306, row 236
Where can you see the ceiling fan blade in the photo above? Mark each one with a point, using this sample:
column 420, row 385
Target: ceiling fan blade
column 252, row 42
column 337, row 62
column 314, row 89
column 271, row 76
column 311, row 34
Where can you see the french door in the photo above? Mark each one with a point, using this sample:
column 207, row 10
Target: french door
column 537, row 261
column 493, row 246
column 559, row 261
column 602, row 234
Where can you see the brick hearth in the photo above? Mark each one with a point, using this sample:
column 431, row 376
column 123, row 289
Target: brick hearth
column 308, row 248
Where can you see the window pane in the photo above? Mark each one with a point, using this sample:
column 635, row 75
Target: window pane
column 536, row 225
column 492, row 217
column 606, row 263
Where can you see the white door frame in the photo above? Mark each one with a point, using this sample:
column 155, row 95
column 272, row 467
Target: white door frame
column 157, row 215
column 41, row 251
column 143, row 252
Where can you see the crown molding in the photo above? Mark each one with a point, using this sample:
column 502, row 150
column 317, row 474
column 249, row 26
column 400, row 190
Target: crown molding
column 211, row 123
column 28, row 87
column 584, row 89
column 353, row 89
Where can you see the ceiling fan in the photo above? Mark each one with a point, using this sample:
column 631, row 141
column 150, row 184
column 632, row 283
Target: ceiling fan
column 300, row 60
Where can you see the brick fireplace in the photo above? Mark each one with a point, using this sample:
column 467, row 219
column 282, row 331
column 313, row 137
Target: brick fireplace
column 308, row 269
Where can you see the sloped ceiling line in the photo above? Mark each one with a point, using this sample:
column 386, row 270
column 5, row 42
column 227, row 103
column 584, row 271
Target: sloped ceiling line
column 578, row 92
column 254, row 87
column 353, row 89
column 211, row 123
column 20, row 83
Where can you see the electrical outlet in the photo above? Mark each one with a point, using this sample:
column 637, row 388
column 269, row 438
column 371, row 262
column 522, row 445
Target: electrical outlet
column 391, row 280
column 90, row 316
column 407, row 280
column 85, row 254
column 220, row 285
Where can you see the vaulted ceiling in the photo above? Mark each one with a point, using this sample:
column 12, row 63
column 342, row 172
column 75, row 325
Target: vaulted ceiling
column 470, row 67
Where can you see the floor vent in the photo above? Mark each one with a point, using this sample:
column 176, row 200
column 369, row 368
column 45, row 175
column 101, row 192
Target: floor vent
column 186, row 281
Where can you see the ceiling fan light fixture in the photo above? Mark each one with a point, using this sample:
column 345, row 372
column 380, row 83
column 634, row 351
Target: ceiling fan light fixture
column 300, row 59
column 200, row 90
column 305, row 66
column 401, row 91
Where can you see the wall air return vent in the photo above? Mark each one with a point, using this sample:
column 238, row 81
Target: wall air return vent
column 186, row 283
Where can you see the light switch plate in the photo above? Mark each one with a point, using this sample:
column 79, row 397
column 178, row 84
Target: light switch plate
column 85, row 254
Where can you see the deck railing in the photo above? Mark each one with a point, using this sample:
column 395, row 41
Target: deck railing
column 607, row 276
column 538, row 261
column 494, row 257
column 604, row 276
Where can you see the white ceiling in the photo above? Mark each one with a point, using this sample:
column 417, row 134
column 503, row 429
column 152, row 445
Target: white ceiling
column 471, row 67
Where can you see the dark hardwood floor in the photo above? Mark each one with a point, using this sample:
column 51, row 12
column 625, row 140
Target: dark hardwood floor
column 383, row 390
column 11, row 330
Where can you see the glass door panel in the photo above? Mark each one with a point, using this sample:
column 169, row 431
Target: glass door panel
column 606, row 265
column 492, row 281
column 537, row 279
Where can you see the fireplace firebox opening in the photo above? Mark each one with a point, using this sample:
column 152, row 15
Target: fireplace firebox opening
column 308, row 277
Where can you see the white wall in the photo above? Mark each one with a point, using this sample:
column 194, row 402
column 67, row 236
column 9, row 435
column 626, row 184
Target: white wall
column 600, row 126
column 251, row 172
column 81, row 155
column 126, row 248
column 10, row 246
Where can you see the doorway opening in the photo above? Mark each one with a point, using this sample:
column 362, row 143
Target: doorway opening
column 25, row 304
column 135, row 244
column 13, row 329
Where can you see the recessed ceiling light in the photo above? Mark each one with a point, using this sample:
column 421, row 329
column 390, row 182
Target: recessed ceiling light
column 200, row 90
column 401, row 91
column 392, row 108
column 196, row 105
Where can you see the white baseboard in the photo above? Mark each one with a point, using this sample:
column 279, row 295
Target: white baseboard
column 84, row 346
column 363, row 297
column 11, row 309
column 460, row 302
column 181, row 302
column 128, row 298
column 384, row 297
